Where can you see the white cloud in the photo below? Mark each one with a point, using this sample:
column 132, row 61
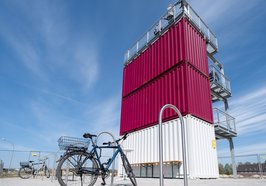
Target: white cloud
column 105, row 116
column 215, row 12
column 50, row 121
column 258, row 148
column 250, row 111
column 45, row 43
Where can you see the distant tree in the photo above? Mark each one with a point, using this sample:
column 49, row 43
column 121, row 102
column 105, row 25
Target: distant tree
column 228, row 169
column 247, row 163
column 221, row 168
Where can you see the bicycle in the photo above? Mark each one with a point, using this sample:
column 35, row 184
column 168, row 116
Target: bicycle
column 78, row 166
column 27, row 169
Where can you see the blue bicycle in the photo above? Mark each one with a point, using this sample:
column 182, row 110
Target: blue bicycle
column 78, row 166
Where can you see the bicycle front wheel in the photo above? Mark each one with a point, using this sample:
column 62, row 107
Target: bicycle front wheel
column 25, row 172
column 129, row 170
column 77, row 168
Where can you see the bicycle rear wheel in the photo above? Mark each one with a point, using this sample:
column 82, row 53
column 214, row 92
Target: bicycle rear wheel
column 47, row 172
column 129, row 170
column 77, row 168
column 25, row 172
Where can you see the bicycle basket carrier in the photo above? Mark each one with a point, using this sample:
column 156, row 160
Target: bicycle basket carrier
column 25, row 164
column 67, row 142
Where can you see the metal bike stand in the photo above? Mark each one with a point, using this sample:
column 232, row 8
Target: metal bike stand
column 113, row 164
column 183, row 143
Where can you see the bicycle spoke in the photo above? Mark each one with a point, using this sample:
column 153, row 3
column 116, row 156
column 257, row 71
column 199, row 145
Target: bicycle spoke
column 77, row 168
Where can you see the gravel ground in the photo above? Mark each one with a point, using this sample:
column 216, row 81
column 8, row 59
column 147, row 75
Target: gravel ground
column 141, row 182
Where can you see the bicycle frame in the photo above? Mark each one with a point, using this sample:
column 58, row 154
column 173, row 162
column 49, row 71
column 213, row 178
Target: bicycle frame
column 110, row 161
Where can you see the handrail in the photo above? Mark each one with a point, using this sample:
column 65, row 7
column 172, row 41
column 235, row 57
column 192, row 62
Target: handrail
column 218, row 77
column 222, row 118
column 172, row 15
column 183, row 143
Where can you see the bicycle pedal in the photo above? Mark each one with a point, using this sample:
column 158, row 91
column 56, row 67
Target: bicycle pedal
column 103, row 183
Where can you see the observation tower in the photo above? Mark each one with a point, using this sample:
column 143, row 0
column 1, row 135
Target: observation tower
column 174, row 63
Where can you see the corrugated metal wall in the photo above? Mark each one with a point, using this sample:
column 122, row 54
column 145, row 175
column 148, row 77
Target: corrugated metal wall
column 183, row 85
column 174, row 69
column 201, row 155
column 180, row 43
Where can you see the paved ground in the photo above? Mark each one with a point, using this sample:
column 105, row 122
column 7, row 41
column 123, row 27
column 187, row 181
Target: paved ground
column 141, row 182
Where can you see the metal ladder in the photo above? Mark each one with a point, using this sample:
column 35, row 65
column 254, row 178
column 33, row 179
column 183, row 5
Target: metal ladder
column 161, row 143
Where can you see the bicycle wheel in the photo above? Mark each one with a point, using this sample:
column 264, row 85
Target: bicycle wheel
column 77, row 168
column 129, row 170
column 46, row 172
column 25, row 172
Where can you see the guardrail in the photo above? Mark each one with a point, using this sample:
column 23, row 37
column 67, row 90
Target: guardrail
column 217, row 77
column 172, row 15
column 224, row 120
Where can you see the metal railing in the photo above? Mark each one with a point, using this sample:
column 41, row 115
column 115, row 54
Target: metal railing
column 217, row 77
column 172, row 15
column 183, row 135
column 248, row 165
column 224, row 120
column 203, row 28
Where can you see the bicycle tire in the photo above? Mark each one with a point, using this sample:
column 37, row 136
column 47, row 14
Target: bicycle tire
column 77, row 168
column 129, row 170
column 25, row 172
column 47, row 172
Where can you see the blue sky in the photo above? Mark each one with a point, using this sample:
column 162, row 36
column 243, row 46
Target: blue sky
column 61, row 66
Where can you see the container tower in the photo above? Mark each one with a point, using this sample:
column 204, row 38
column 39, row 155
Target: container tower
column 169, row 65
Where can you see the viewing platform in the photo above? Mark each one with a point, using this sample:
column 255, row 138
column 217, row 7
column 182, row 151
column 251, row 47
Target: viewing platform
column 220, row 85
column 172, row 16
column 224, row 124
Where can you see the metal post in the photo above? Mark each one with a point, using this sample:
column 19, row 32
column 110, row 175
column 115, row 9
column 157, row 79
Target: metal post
column 183, row 143
column 160, row 25
column 232, row 150
column 54, row 167
column 259, row 164
column 113, row 164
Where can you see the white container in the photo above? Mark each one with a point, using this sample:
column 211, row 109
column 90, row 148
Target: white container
column 142, row 148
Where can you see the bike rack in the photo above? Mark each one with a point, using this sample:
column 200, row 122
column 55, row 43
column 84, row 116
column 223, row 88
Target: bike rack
column 113, row 164
column 183, row 143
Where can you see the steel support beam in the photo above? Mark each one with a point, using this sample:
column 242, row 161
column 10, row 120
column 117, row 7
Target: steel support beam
column 232, row 150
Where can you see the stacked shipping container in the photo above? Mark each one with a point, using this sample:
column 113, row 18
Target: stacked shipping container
column 173, row 69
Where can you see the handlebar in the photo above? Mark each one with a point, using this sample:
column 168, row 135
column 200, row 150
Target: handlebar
column 117, row 141
column 88, row 135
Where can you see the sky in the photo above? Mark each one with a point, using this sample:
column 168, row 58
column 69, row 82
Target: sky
column 62, row 63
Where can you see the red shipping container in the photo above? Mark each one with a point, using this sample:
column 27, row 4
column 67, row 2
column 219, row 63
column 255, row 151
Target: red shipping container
column 182, row 42
column 183, row 85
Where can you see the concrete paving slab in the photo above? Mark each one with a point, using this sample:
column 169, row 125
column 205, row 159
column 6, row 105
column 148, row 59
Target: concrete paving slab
column 141, row 182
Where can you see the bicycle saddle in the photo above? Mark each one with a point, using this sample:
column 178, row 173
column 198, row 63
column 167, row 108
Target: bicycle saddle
column 88, row 135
